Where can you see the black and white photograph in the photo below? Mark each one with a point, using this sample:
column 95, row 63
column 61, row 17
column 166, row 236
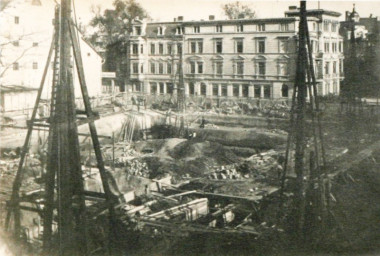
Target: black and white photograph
column 189, row 128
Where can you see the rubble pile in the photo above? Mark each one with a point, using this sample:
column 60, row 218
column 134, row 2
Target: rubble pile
column 278, row 109
column 258, row 167
column 137, row 167
column 225, row 172
column 263, row 166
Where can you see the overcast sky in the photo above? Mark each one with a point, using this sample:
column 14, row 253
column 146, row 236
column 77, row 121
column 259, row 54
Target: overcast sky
column 166, row 10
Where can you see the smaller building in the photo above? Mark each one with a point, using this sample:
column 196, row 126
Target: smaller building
column 16, row 99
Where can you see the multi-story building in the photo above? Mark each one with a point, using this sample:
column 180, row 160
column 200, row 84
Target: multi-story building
column 362, row 62
column 244, row 58
column 26, row 33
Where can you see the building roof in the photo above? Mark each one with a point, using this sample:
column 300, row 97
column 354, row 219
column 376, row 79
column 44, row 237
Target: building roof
column 313, row 12
column 15, row 88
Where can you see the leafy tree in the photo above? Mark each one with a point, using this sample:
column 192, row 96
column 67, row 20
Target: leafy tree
column 237, row 10
column 112, row 31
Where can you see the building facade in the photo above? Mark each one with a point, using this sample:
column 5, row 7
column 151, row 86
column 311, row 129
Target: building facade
column 362, row 54
column 26, row 34
column 244, row 59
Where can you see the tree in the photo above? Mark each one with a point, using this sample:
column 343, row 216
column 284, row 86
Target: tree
column 9, row 57
column 113, row 30
column 236, row 10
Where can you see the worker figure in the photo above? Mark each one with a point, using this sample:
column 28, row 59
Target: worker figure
column 134, row 101
column 203, row 123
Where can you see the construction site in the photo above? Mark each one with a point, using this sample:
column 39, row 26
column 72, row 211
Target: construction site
column 181, row 176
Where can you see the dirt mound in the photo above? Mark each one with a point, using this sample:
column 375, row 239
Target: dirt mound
column 180, row 157
column 192, row 150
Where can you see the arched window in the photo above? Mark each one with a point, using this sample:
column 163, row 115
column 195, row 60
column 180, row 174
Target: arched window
column 285, row 91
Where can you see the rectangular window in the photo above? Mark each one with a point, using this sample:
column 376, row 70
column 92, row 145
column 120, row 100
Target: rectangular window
column 35, row 65
column 200, row 67
column 196, row 29
column 327, row 47
column 162, row 88
column 161, row 68
column 327, row 68
column 35, row 44
column 245, row 90
column 142, row 69
column 135, row 68
column 240, row 68
column 161, row 48
column 284, row 27
column 15, row 66
column 17, row 20
column 192, row 67
column 219, row 28
column 169, row 49
column 193, row 46
column 179, row 48
column 283, row 69
column 261, row 46
column 326, row 25
column 240, row 28
column 261, row 27
column 219, row 46
column 235, row 90
column 224, row 90
column 200, row 47
column 215, row 89
column 160, row 31
column 138, row 31
column 135, row 48
column 179, row 30
column 283, row 46
column 262, row 68
column 170, row 88
column 203, row 89
column 257, row 91
column 219, row 68
column 153, row 88
column 334, row 27
column 267, row 92
column 169, row 68
column 334, row 68
column 152, row 49
column 142, row 48
column 239, row 46
column 152, row 68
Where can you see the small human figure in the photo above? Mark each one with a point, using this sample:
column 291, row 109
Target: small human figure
column 203, row 123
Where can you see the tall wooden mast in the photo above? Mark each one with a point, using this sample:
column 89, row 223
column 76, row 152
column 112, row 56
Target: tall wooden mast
column 64, row 188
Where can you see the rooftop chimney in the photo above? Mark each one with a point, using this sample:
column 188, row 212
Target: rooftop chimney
column 211, row 17
column 292, row 7
column 175, row 19
column 241, row 16
column 180, row 18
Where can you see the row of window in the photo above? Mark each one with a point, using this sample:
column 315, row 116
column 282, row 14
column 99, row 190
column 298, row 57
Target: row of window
column 259, row 91
column 161, row 49
column 17, row 43
column 196, row 29
column 196, row 46
column 162, row 68
column 329, row 25
column 334, row 47
column 16, row 65
column 197, row 67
